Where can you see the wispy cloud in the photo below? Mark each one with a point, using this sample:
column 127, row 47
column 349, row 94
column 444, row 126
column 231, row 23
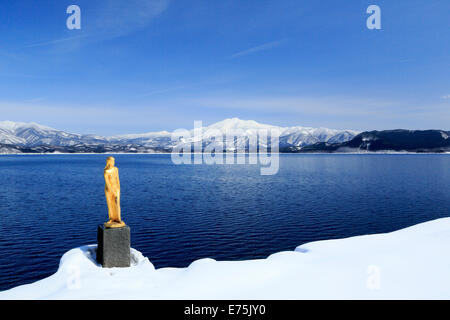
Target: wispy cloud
column 118, row 18
column 263, row 47
column 34, row 100
column 56, row 41
column 161, row 91
column 446, row 97
column 335, row 105
column 113, row 18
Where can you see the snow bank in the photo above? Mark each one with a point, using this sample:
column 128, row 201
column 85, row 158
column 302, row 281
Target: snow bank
column 412, row 263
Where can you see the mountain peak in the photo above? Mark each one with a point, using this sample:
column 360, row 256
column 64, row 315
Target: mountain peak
column 236, row 123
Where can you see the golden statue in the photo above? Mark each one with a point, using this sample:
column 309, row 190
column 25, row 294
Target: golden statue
column 112, row 193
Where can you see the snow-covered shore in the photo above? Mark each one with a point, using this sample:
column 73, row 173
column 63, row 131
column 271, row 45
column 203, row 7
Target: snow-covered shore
column 413, row 263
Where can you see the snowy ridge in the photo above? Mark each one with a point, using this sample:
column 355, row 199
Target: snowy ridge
column 35, row 135
column 293, row 136
column 407, row 264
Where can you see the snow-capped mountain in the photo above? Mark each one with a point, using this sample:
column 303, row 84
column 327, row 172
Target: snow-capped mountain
column 245, row 130
column 20, row 136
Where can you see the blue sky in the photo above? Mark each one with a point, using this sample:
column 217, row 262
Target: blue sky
column 138, row 66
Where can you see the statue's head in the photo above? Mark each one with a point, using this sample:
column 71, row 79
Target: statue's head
column 110, row 161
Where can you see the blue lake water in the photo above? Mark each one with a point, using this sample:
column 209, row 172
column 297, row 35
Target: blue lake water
column 50, row 204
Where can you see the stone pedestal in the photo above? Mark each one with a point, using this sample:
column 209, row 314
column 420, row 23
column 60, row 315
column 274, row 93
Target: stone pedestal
column 113, row 248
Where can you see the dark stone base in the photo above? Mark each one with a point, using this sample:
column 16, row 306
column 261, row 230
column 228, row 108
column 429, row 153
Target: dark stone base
column 113, row 248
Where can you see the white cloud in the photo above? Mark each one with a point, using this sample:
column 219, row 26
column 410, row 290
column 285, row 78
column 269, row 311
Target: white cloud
column 447, row 96
column 93, row 118
column 358, row 113
column 346, row 112
column 263, row 47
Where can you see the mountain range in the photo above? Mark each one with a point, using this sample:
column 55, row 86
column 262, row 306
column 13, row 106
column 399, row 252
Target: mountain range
column 19, row 137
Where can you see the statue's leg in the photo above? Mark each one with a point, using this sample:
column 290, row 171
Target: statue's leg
column 109, row 202
column 119, row 219
column 113, row 208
